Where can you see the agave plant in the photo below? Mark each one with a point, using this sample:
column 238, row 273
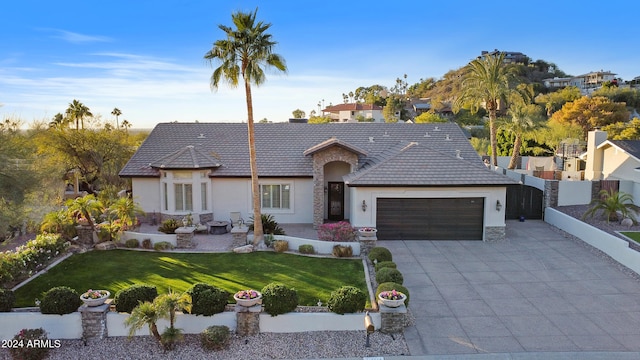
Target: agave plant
column 611, row 203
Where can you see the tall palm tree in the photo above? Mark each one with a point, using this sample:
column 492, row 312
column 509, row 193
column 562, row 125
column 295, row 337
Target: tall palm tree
column 58, row 121
column 78, row 111
column 486, row 83
column 116, row 112
column 523, row 120
column 245, row 51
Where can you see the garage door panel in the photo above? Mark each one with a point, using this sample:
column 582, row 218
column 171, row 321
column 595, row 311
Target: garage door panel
column 430, row 218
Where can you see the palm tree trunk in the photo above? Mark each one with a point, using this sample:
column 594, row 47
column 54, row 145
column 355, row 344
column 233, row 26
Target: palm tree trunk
column 517, row 144
column 492, row 137
column 153, row 328
column 258, row 232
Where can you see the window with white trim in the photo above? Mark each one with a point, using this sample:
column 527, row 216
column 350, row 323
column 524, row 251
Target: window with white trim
column 275, row 196
column 184, row 197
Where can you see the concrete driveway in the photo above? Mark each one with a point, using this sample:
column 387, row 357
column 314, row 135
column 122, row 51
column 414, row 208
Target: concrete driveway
column 539, row 291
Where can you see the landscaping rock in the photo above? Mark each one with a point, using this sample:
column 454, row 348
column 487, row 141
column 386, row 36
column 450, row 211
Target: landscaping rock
column 243, row 249
column 107, row 245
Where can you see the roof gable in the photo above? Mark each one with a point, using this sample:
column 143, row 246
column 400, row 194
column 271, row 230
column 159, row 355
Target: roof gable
column 333, row 141
column 631, row 147
column 186, row 158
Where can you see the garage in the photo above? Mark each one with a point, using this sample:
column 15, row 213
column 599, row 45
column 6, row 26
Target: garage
column 430, row 218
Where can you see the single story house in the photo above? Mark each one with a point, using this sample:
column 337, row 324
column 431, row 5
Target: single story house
column 410, row 181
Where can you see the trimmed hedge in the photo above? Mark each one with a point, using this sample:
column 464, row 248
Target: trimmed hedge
column 60, row 300
column 127, row 299
column 306, row 249
column 347, row 299
column 389, row 275
column 207, row 299
column 380, row 254
column 7, row 299
column 279, row 299
column 385, row 264
column 30, row 257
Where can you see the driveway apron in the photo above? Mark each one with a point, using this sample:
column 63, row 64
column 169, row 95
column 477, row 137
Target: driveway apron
column 538, row 291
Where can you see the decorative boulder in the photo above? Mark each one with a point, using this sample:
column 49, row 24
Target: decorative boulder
column 243, row 249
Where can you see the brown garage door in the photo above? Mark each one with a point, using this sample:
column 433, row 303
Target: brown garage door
column 430, row 219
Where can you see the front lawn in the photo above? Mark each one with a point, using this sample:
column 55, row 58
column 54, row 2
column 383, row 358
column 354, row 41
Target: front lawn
column 313, row 278
column 634, row 235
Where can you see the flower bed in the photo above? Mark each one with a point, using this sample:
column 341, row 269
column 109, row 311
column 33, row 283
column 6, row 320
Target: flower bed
column 27, row 259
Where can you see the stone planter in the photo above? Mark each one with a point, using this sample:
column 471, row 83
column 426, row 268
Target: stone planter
column 392, row 303
column 367, row 233
column 248, row 302
column 95, row 302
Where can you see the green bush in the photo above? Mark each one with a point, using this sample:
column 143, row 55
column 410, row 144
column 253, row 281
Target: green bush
column 380, row 254
column 146, row 244
column 30, row 336
column 127, row 299
column 215, row 337
column 7, row 299
column 347, row 299
column 207, row 299
column 281, row 245
column 169, row 226
column 132, row 243
column 306, row 249
column 268, row 240
column 388, row 286
column 162, row 245
column 385, row 264
column 29, row 258
column 342, row 251
column 60, row 300
column 389, row 275
column 269, row 225
column 279, row 299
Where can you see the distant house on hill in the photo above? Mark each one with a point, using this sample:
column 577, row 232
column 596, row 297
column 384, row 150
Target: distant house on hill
column 587, row 83
column 510, row 57
column 352, row 111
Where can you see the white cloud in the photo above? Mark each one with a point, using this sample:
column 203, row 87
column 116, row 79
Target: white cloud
column 77, row 38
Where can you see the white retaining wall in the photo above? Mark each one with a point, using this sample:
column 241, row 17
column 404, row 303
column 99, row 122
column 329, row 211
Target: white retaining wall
column 155, row 238
column 574, row 192
column 67, row 326
column 190, row 324
column 303, row 322
column 613, row 246
column 321, row 247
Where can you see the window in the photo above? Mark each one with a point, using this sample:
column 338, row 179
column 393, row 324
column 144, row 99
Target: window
column 165, row 194
column 203, row 197
column 276, row 196
column 184, row 197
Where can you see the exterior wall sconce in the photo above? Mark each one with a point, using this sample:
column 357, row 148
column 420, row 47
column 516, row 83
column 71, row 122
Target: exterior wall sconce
column 498, row 205
column 364, row 205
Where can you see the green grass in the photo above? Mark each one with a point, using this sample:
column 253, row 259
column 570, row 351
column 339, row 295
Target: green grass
column 313, row 278
column 634, row 235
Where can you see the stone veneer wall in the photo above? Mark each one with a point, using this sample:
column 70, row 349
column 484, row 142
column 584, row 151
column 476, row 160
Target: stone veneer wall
column 248, row 320
column 495, row 233
column 94, row 321
column 393, row 319
column 550, row 193
column 320, row 159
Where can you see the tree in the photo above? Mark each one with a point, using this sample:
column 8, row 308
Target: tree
column 144, row 314
column 319, row 119
column 116, row 112
column 487, row 82
column 591, row 112
column 554, row 101
column 245, row 51
column 624, row 130
column 523, row 120
column 77, row 112
column 298, row 114
column 610, row 203
column 58, row 121
column 429, row 117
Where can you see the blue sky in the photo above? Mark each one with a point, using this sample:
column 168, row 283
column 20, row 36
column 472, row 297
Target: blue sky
column 146, row 57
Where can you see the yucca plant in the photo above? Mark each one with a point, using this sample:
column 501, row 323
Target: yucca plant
column 609, row 203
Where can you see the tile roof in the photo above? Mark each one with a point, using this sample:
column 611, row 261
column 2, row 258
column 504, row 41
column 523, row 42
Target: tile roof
column 281, row 150
column 632, row 147
column 186, row 158
column 333, row 141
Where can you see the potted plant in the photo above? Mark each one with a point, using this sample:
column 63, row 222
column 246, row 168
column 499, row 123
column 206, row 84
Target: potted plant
column 367, row 232
column 391, row 298
column 248, row 297
column 95, row 297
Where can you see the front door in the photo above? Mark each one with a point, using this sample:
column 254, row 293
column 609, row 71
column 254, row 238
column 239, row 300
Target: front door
column 336, row 201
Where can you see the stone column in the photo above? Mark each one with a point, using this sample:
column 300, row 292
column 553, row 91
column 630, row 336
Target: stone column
column 392, row 319
column 85, row 235
column 248, row 319
column 94, row 321
column 239, row 235
column 184, row 237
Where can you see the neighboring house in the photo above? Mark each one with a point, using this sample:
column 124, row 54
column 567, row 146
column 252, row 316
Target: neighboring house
column 351, row 112
column 587, row 83
column 411, row 181
column 510, row 57
column 614, row 160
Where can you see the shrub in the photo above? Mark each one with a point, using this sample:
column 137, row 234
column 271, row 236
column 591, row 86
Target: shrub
column 170, row 336
column 132, row 243
column 127, row 299
column 169, row 226
column 385, row 264
column 340, row 231
column 30, row 257
column 279, row 299
column 269, row 225
column 207, row 299
column 281, row 245
column 347, row 299
column 610, row 203
column 162, row 245
column 380, row 254
column 60, row 300
column 342, row 251
column 388, row 286
column 146, row 244
column 389, row 275
column 306, row 249
column 7, row 299
column 30, row 336
column 215, row 337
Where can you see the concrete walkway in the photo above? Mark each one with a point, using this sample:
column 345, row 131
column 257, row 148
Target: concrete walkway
column 536, row 292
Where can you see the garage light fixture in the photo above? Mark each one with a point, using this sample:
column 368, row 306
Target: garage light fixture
column 364, row 205
column 498, row 205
